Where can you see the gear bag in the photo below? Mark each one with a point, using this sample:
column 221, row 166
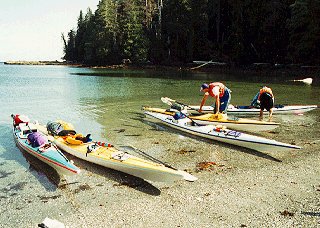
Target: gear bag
column 36, row 139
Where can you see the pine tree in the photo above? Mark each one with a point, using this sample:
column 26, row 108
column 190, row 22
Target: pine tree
column 133, row 20
column 69, row 46
column 304, row 30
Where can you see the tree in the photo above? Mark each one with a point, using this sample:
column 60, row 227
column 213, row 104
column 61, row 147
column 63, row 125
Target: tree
column 176, row 29
column 69, row 46
column 135, row 41
column 304, row 32
column 106, row 33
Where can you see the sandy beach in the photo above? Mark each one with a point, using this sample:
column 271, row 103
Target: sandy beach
column 236, row 188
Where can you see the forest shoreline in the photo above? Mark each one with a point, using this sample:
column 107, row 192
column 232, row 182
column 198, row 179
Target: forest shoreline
column 263, row 69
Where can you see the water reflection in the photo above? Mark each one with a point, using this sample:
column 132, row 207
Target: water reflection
column 265, row 77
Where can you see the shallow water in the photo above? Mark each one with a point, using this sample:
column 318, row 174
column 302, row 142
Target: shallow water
column 107, row 104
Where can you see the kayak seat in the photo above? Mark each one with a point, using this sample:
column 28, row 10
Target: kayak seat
column 82, row 138
column 66, row 132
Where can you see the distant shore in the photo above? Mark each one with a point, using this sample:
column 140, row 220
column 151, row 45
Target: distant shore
column 63, row 63
column 264, row 69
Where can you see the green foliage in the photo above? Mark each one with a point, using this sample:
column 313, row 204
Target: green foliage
column 304, row 30
column 180, row 31
column 69, row 46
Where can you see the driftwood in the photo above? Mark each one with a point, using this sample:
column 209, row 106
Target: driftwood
column 201, row 65
column 206, row 63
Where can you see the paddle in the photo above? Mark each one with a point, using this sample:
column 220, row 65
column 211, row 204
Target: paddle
column 169, row 101
column 186, row 176
column 307, row 81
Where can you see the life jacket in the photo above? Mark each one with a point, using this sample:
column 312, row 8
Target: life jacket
column 74, row 141
column 221, row 88
column 265, row 90
column 77, row 139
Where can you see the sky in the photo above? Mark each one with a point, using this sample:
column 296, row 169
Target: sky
column 30, row 30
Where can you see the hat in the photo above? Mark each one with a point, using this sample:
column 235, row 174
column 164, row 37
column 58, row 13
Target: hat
column 204, row 86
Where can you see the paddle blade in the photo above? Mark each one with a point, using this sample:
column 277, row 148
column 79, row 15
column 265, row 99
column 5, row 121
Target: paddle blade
column 307, row 81
column 167, row 100
column 187, row 176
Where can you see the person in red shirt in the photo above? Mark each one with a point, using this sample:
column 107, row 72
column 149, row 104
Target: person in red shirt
column 219, row 92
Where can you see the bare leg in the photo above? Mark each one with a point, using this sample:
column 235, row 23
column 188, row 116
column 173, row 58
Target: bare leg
column 261, row 114
column 270, row 114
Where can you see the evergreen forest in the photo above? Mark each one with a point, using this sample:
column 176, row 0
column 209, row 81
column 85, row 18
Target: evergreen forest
column 237, row 32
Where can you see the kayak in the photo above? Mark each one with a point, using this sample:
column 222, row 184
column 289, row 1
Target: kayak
column 47, row 152
column 221, row 134
column 234, row 123
column 248, row 110
column 106, row 155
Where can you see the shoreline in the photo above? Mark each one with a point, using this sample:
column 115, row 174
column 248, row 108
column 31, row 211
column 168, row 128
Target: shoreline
column 254, row 68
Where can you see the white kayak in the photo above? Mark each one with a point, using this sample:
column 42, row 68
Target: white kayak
column 231, row 122
column 221, row 134
column 247, row 110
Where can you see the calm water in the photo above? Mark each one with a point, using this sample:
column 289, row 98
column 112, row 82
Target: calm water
column 107, row 104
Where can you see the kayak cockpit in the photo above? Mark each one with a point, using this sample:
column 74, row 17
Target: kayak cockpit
column 25, row 129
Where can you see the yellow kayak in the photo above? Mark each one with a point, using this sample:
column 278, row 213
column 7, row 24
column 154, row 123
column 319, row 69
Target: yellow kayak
column 240, row 124
column 116, row 159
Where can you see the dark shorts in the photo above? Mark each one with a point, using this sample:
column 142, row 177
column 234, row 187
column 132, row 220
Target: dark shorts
column 224, row 101
column 266, row 101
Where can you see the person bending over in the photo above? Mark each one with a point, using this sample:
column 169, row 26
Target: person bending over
column 220, row 93
column 266, row 100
